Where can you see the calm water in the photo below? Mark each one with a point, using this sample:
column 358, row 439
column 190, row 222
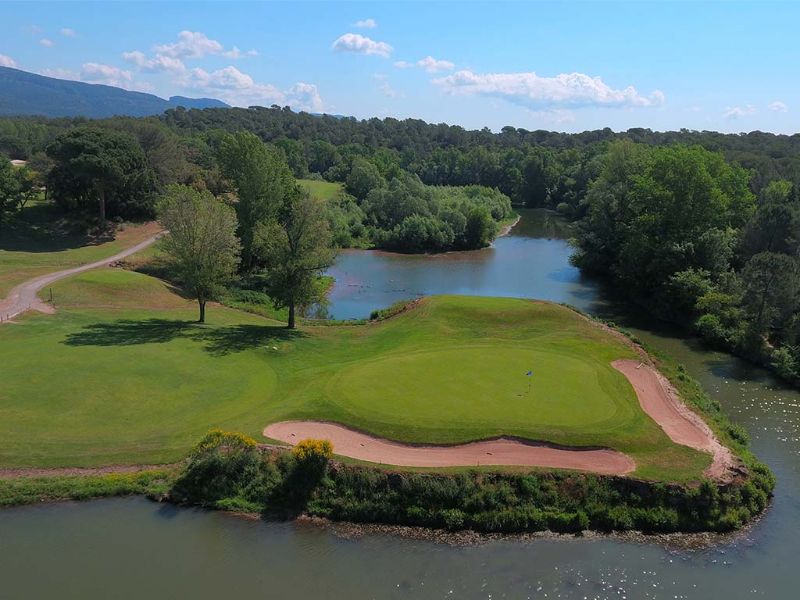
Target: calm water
column 132, row 548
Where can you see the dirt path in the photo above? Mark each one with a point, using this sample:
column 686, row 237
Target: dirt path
column 659, row 399
column 502, row 451
column 24, row 296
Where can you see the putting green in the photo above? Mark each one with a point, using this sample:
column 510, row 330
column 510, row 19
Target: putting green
column 488, row 383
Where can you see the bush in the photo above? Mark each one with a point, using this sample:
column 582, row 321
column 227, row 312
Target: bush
column 313, row 451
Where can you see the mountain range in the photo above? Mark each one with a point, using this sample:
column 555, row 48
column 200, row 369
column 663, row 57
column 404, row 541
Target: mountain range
column 24, row 93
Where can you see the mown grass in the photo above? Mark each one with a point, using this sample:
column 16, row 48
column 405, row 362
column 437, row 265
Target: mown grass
column 121, row 374
column 322, row 190
column 37, row 242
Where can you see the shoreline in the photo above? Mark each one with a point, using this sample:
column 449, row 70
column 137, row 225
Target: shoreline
column 506, row 229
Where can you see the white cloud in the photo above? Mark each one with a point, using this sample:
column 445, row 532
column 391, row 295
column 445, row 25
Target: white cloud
column 106, row 74
column 67, row 32
column 7, row 61
column 190, row 44
column 240, row 89
column 359, row 44
column 431, row 65
column 152, row 65
column 46, row 43
column 737, row 112
column 555, row 116
column 567, row 90
column 366, row 24
column 228, row 78
column 92, row 72
column 403, row 64
column 60, row 73
column 778, row 106
column 385, row 88
column 305, row 96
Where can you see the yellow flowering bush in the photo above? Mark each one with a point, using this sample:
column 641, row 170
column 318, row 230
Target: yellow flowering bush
column 313, row 450
column 217, row 438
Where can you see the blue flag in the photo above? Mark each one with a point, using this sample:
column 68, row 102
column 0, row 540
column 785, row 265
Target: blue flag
column 529, row 373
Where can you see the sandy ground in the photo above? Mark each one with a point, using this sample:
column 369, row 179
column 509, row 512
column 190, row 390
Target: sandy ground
column 24, row 296
column 502, row 451
column 659, row 399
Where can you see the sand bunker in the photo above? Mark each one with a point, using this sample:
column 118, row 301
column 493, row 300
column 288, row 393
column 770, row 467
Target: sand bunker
column 502, row 451
column 660, row 400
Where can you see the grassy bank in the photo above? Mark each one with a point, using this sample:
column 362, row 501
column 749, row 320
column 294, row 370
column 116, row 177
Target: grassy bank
column 30, row 490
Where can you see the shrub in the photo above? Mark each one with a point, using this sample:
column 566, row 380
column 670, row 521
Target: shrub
column 217, row 438
column 313, row 451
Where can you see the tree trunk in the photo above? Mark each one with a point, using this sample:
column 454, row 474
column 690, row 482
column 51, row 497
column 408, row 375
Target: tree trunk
column 102, row 206
column 291, row 315
column 202, row 304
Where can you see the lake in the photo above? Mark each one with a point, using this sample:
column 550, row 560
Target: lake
column 133, row 548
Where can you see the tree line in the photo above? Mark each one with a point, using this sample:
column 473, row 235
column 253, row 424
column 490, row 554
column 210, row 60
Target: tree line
column 679, row 229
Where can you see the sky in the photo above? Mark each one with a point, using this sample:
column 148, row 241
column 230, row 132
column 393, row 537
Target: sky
column 565, row 66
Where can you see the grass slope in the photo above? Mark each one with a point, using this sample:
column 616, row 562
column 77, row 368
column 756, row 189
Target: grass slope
column 103, row 382
column 32, row 245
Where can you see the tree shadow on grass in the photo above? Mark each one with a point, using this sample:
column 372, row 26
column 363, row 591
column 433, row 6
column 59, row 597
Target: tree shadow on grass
column 236, row 338
column 42, row 227
column 218, row 341
column 127, row 332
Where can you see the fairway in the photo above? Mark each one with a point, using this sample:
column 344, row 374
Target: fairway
column 104, row 381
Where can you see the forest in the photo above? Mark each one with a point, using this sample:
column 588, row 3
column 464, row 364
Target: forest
column 699, row 227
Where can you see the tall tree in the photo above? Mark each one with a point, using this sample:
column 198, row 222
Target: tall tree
column 201, row 244
column 101, row 166
column 771, row 288
column 296, row 248
column 776, row 225
column 262, row 182
column 16, row 188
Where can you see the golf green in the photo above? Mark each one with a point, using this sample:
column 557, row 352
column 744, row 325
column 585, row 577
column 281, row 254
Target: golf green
column 488, row 383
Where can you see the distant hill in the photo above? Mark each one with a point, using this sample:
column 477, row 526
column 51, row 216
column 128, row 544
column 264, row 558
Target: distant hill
column 23, row 93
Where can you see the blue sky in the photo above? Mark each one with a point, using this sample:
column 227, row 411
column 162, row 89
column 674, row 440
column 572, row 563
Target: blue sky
column 564, row 66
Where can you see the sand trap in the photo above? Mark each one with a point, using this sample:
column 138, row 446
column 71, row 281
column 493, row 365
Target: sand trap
column 660, row 400
column 502, row 451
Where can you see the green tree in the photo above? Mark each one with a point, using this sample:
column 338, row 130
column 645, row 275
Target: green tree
column 296, row 249
column 480, row 227
column 201, row 244
column 654, row 212
column 775, row 227
column 771, row 288
column 262, row 182
column 17, row 186
column 363, row 178
column 101, row 166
